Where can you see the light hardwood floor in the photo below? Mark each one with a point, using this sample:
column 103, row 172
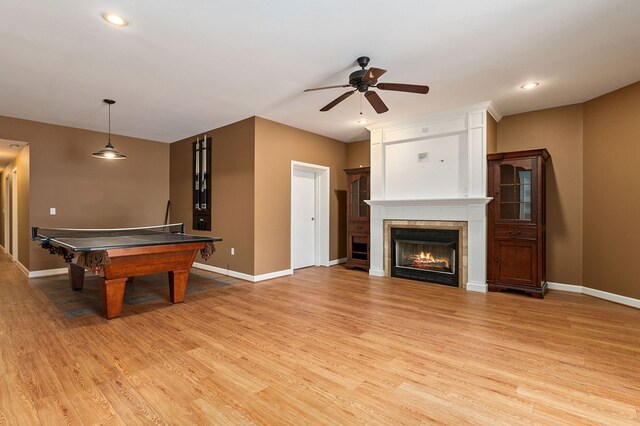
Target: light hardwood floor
column 325, row 346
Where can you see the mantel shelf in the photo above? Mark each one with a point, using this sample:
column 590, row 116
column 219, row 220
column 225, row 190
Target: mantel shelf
column 431, row 202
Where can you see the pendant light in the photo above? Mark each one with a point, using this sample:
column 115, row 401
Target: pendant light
column 109, row 152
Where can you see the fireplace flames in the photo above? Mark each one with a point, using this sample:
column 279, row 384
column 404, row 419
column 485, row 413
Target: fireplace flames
column 427, row 261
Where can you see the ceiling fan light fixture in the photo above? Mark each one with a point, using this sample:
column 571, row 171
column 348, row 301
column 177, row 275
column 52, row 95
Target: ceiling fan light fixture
column 114, row 19
column 362, row 121
column 530, row 85
column 109, row 152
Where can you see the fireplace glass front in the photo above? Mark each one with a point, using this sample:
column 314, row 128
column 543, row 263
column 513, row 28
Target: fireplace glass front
column 428, row 255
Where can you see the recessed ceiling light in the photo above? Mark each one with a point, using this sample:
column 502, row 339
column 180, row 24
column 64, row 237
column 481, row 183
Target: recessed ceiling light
column 115, row 19
column 529, row 86
column 14, row 146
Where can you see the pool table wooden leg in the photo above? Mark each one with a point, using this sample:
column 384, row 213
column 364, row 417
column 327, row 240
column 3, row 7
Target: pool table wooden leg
column 178, row 285
column 76, row 276
column 112, row 292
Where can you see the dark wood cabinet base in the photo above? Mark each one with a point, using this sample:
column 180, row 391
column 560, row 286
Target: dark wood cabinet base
column 538, row 293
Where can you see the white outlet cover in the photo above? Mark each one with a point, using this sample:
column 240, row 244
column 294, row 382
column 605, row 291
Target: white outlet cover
column 52, row 211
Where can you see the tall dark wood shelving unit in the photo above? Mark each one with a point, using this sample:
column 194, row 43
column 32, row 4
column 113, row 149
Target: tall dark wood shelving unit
column 202, row 184
column 517, row 228
column 358, row 188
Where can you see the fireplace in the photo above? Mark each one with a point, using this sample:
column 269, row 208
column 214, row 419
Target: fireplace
column 429, row 255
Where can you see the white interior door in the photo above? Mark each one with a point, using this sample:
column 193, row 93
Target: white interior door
column 303, row 210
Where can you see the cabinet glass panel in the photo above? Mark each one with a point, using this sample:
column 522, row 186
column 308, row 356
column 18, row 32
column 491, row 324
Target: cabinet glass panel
column 507, row 174
column 355, row 198
column 358, row 194
column 364, row 207
column 515, row 191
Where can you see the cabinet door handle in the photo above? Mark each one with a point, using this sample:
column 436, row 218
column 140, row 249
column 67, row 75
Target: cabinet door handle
column 497, row 259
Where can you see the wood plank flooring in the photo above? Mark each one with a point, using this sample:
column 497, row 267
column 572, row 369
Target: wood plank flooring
column 325, row 346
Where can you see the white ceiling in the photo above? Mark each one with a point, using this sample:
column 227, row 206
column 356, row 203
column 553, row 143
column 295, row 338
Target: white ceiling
column 182, row 67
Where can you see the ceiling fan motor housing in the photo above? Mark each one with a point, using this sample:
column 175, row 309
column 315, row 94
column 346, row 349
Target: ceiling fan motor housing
column 355, row 79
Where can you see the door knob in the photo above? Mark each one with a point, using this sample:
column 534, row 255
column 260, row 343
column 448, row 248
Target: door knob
column 312, row 218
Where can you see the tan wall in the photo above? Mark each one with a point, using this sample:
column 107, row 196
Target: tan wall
column 492, row 134
column 560, row 131
column 87, row 191
column 611, row 192
column 359, row 154
column 232, row 193
column 276, row 146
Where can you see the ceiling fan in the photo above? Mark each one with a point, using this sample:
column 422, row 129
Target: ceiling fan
column 365, row 79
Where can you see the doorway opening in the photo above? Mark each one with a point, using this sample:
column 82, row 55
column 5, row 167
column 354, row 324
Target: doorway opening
column 309, row 215
column 10, row 208
column 14, row 214
column 6, row 208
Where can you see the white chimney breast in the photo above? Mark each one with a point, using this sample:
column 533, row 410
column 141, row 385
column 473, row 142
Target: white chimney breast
column 450, row 186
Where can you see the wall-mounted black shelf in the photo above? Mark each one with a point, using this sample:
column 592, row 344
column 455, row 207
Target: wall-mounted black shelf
column 202, row 184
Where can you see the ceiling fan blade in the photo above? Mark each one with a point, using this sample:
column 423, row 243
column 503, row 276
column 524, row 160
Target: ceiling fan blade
column 337, row 101
column 328, row 87
column 373, row 74
column 398, row 87
column 376, row 102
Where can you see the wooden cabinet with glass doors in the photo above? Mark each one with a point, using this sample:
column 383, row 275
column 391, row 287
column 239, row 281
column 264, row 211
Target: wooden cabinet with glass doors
column 516, row 231
column 357, row 218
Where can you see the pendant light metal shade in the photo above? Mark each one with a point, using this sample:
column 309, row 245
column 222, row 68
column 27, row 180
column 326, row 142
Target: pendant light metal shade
column 109, row 152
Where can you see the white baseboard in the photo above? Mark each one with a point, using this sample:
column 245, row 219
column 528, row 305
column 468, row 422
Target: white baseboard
column 337, row 261
column 22, row 268
column 272, row 275
column 242, row 276
column 376, row 272
column 564, row 287
column 477, row 287
column 48, row 272
column 611, row 297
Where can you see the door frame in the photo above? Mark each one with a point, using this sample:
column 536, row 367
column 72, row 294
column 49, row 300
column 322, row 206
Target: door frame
column 6, row 207
column 14, row 214
column 322, row 216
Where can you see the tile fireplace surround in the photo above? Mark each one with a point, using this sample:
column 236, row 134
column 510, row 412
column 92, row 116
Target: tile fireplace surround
column 432, row 171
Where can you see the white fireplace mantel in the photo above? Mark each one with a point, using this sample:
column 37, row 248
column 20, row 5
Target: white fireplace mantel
column 433, row 168
column 430, row 202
